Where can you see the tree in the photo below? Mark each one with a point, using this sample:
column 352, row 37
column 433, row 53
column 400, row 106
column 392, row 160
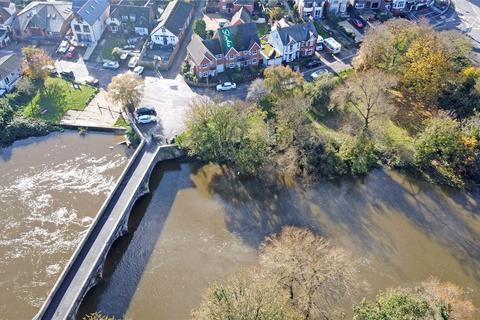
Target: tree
column 35, row 61
column 368, row 94
column 430, row 299
column 275, row 14
column 318, row 277
column 97, row 316
column 257, row 91
column 282, row 81
column 117, row 52
column 233, row 133
column 25, row 86
column 200, row 27
column 427, row 68
column 248, row 295
column 319, row 91
column 127, row 90
column 445, row 147
column 396, row 305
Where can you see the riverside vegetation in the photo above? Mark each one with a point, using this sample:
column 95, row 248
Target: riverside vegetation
column 39, row 101
column 409, row 103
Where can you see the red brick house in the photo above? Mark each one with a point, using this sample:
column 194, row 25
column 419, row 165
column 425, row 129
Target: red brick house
column 232, row 47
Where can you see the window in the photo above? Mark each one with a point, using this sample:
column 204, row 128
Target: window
column 291, row 47
column 132, row 17
column 203, row 74
column 114, row 28
column 7, row 81
column 86, row 29
column 204, row 65
column 254, row 52
column 231, row 65
column 219, row 56
column 254, row 61
column 172, row 38
column 77, row 28
column 124, row 18
column 375, row 5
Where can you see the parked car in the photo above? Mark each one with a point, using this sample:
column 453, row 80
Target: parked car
column 129, row 46
column 313, row 63
column 67, row 75
column 146, row 118
column 111, row 65
column 63, row 47
column 318, row 73
column 92, row 81
column 133, row 62
column 71, row 52
column 138, row 70
column 51, row 70
column 226, row 86
column 357, row 23
column 146, row 110
column 124, row 56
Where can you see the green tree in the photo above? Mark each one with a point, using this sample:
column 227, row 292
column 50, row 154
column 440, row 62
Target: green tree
column 200, row 27
column 393, row 305
column 319, row 92
column 232, row 133
column 117, row 52
column 127, row 90
column 445, row 147
column 248, row 295
column 35, row 61
column 282, row 81
column 275, row 14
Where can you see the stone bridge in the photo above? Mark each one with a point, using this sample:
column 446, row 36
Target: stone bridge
column 85, row 267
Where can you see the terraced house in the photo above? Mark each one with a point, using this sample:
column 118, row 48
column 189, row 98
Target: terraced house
column 233, row 47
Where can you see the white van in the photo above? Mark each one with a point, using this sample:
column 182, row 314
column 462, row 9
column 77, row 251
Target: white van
column 332, row 45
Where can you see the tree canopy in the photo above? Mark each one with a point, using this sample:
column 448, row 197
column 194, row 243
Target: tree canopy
column 127, row 90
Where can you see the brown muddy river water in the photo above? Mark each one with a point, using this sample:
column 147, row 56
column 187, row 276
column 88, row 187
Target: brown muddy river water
column 50, row 190
column 200, row 224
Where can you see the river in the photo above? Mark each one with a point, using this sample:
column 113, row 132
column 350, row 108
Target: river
column 202, row 223
column 50, row 190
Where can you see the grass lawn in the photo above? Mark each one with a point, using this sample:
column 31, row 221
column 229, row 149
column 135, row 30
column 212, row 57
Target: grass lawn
column 121, row 122
column 55, row 98
column 108, row 46
column 262, row 29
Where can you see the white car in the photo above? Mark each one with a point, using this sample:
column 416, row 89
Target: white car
column 146, row 118
column 226, row 86
column 133, row 62
column 111, row 65
column 318, row 73
column 63, row 47
column 138, row 70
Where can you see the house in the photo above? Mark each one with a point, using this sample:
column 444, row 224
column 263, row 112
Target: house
column 294, row 41
column 7, row 12
column 10, row 72
column 231, row 48
column 367, row 4
column 337, row 7
column 310, row 8
column 173, row 24
column 43, row 20
column 89, row 21
column 232, row 6
column 126, row 17
column 241, row 16
column 270, row 55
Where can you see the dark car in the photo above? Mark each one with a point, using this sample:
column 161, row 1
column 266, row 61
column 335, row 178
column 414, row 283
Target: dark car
column 357, row 23
column 313, row 63
column 67, row 75
column 146, row 110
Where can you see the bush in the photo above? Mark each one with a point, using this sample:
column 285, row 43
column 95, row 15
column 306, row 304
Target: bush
column 360, row 154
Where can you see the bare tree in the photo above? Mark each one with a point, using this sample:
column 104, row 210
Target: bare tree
column 257, row 91
column 447, row 299
column 318, row 277
column 127, row 90
column 368, row 94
